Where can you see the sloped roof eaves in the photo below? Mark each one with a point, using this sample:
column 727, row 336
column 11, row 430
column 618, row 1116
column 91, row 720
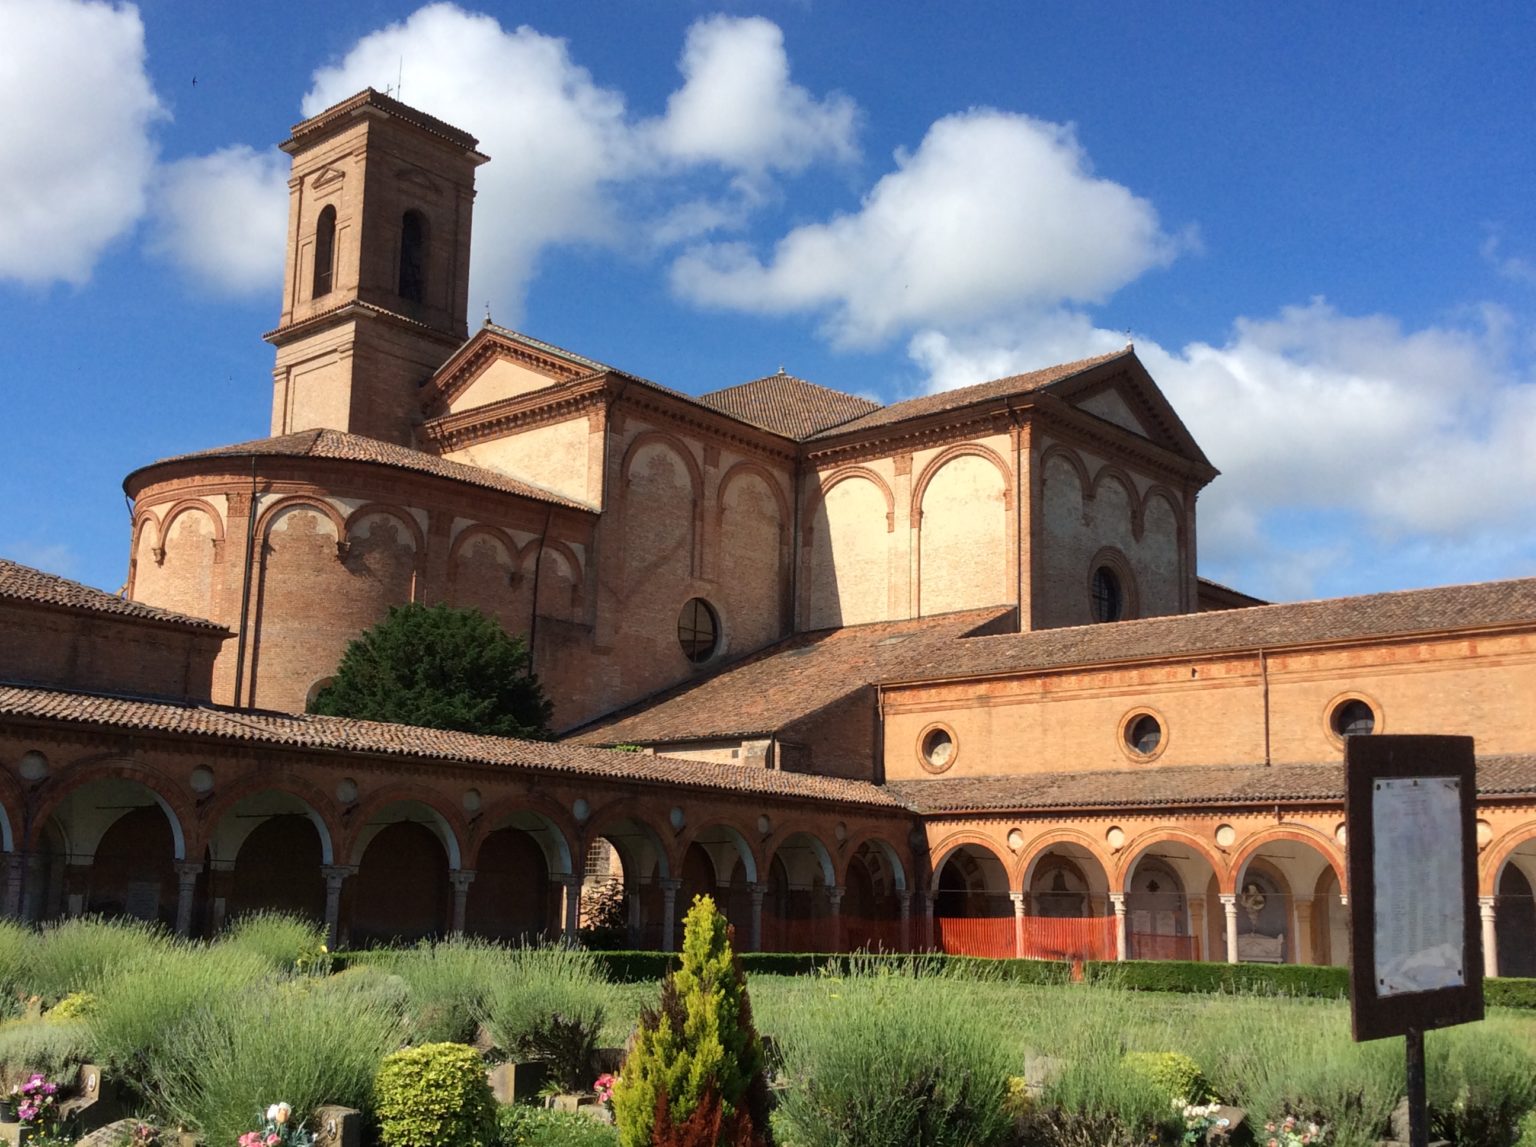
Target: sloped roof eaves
column 1398, row 614
column 781, row 685
column 337, row 446
column 950, row 400
column 1505, row 775
column 21, row 583
column 337, row 734
column 788, row 406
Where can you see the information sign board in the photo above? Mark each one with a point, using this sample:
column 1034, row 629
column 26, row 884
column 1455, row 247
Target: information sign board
column 1416, row 943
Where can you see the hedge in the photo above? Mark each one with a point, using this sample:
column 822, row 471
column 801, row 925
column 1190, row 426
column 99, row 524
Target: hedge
column 631, row 967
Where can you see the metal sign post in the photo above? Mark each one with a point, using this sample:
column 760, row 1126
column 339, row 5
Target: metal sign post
column 1416, row 945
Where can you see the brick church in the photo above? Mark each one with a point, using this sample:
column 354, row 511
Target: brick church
column 935, row 674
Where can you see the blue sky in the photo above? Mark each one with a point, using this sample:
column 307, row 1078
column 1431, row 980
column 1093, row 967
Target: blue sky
column 1316, row 221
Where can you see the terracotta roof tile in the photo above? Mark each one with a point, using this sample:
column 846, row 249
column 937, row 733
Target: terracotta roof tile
column 370, row 97
column 788, row 405
column 340, row 734
column 967, row 395
column 355, row 448
column 1376, row 615
column 23, row 583
column 785, row 682
column 1183, row 785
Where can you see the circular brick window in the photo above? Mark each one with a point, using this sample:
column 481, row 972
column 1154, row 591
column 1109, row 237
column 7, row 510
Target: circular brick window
column 1352, row 717
column 1143, row 734
column 936, row 748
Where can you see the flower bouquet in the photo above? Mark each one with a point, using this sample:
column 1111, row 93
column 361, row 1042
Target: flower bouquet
column 279, row 1130
column 36, row 1100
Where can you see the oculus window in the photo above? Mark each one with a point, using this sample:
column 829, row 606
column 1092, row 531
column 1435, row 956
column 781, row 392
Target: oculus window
column 1353, row 718
column 698, row 630
column 1144, row 735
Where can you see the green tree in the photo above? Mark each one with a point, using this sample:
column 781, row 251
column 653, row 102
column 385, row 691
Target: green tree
column 696, row 1074
column 443, row 668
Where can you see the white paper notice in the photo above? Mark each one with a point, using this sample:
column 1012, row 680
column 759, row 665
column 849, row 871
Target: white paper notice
column 1419, row 922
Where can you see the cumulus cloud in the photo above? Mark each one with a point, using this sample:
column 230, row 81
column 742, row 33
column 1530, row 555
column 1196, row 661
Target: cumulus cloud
column 221, row 218
column 556, row 138
column 994, row 211
column 1350, row 446
column 738, row 108
column 76, row 155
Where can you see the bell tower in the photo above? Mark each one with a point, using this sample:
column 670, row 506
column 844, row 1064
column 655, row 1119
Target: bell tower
column 376, row 280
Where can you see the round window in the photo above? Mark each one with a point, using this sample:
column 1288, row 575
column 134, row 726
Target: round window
column 1353, row 718
column 937, row 748
column 1108, row 597
column 698, row 630
column 1144, row 735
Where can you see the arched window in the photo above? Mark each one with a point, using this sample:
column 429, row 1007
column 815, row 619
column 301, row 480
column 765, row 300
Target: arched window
column 325, row 252
column 413, row 257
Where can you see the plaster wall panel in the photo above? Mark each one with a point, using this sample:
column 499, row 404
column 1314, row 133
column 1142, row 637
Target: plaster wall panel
column 181, row 577
column 751, row 562
column 501, row 379
column 850, row 556
column 553, row 457
column 963, row 558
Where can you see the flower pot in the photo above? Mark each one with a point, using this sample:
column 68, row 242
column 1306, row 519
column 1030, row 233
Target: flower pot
column 8, row 1112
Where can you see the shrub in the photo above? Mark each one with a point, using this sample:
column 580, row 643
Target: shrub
column 75, row 955
column 521, row 1126
column 888, row 1056
column 75, row 1006
column 538, row 983
column 696, row 1071
column 1173, row 1073
column 624, row 967
column 287, row 943
column 48, row 1046
column 303, row 1041
column 1480, row 1086
column 141, row 1005
column 568, row 1045
column 1510, row 992
column 435, row 1095
column 1195, row 976
column 448, row 982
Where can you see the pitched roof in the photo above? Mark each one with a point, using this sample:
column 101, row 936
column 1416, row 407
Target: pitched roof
column 967, row 395
column 788, row 405
column 342, row 734
column 1154, row 787
column 355, row 448
column 786, row 682
column 1377, row 615
column 23, row 583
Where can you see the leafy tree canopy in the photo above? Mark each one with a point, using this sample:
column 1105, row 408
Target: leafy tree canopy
column 443, row 668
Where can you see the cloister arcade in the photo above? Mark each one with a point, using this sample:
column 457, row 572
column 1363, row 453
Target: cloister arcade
column 111, row 835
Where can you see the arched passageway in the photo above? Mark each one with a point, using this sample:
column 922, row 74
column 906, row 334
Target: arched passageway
column 973, row 913
column 267, row 852
column 796, row 909
column 626, row 856
column 875, row 906
column 1278, row 914
column 1515, row 913
column 1064, row 911
column 718, row 863
column 401, row 890
column 112, row 847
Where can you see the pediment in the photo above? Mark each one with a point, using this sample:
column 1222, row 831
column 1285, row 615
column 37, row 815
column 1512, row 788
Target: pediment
column 1110, row 404
column 493, row 367
column 327, row 177
column 1123, row 394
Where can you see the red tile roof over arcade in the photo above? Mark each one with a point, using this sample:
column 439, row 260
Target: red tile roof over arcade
column 24, row 584
column 1174, row 786
column 305, row 731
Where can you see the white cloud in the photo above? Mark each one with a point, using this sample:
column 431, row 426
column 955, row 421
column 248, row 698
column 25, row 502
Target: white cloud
column 1354, row 453
column 994, row 211
column 75, row 152
column 554, row 136
column 221, row 218
column 738, row 108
